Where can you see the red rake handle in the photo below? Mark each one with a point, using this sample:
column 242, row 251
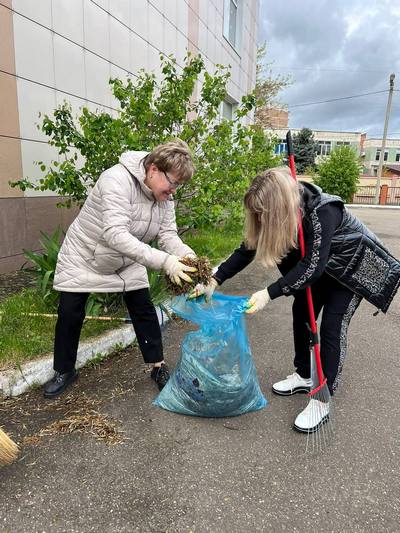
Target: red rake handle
column 313, row 323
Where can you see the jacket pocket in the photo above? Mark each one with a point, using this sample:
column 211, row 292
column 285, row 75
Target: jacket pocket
column 106, row 260
column 372, row 271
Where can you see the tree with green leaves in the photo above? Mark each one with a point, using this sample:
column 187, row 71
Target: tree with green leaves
column 305, row 150
column 267, row 87
column 339, row 173
column 228, row 153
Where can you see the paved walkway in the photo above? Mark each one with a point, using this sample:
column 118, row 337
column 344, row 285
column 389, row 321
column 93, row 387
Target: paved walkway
column 179, row 474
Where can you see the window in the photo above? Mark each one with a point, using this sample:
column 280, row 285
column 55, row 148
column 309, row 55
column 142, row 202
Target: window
column 227, row 110
column 324, row 147
column 397, row 157
column 378, row 154
column 342, row 143
column 232, row 16
column 281, row 148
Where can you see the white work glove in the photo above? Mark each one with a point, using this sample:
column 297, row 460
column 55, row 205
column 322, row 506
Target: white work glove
column 258, row 301
column 176, row 270
column 207, row 290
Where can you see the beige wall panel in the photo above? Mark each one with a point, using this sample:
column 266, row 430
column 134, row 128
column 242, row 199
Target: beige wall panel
column 10, row 167
column 10, row 149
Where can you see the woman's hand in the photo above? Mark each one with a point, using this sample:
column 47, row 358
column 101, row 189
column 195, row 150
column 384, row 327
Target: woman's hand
column 176, row 270
column 207, row 290
column 258, row 301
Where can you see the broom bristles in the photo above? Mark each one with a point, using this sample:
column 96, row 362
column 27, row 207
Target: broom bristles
column 8, row 449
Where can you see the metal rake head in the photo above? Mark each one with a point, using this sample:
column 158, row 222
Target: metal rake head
column 321, row 415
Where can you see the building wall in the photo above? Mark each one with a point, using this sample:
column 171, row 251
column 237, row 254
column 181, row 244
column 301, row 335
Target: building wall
column 57, row 50
column 272, row 117
column 372, row 145
column 335, row 138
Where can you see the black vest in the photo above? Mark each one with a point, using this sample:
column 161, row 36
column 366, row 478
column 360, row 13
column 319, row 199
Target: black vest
column 357, row 258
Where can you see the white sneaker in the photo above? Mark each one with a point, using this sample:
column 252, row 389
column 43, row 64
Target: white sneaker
column 291, row 385
column 312, row 417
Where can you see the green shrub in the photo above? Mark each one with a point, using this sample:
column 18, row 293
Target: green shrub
column 339, row 173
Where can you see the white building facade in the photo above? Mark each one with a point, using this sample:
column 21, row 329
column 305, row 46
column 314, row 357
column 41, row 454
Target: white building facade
column 57, row 50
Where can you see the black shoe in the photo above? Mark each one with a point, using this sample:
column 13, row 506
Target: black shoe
column 59, row 383
column 160, row 374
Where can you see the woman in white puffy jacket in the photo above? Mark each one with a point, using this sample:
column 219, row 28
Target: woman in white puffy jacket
column 106, row 250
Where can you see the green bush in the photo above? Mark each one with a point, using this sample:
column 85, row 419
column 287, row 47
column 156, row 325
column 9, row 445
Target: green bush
column 339, row 173
column 228, row 153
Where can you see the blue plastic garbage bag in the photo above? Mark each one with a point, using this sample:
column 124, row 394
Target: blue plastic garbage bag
column 215, row 375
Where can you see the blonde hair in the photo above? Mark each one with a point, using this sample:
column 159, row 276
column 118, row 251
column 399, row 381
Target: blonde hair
column 173, row 156
column 272, row 205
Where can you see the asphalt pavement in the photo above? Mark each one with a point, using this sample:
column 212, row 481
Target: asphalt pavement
column 163, row 472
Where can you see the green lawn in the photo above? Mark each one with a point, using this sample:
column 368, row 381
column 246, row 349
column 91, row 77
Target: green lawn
column 214, row 244
column 25, row 337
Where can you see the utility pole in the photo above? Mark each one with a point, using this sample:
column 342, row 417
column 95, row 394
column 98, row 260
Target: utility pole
column 382, row 154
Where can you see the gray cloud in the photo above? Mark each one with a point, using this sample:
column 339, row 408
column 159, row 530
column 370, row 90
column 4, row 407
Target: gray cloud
column 331, row 50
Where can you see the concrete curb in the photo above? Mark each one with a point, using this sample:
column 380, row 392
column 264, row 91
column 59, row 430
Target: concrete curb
column 370, row 206
column 16, row 381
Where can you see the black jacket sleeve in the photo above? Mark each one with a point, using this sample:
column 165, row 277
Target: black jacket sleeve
column 319, row 227
column 239, row 260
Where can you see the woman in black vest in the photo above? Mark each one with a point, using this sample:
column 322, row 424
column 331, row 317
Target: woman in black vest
column 343, row 263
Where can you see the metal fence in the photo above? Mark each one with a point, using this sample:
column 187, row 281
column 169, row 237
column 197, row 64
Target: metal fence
column 364, row 195
column 387, row 195
column 393, row 196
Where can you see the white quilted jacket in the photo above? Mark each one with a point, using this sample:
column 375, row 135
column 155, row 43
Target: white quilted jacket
column 105, row 248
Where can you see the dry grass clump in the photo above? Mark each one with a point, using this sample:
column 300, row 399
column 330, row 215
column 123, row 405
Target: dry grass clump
column 83, row 418
column 203, row 275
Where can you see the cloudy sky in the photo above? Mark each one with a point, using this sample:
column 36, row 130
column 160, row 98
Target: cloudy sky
column 333, row 49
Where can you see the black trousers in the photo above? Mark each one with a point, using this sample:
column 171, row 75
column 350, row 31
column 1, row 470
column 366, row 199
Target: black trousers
column 339, row 305
column 71, row 314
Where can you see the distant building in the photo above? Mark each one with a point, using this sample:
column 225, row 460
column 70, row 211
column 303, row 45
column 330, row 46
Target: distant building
column 272, row 118
column 367, row 149
column 371, row 154
column 326, row 140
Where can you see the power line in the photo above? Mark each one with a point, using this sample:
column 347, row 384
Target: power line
column 309, row 69
column 390, row 133
column 337, row 99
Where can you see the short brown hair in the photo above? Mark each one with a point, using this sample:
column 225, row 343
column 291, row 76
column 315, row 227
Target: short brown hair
column 173, row 156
